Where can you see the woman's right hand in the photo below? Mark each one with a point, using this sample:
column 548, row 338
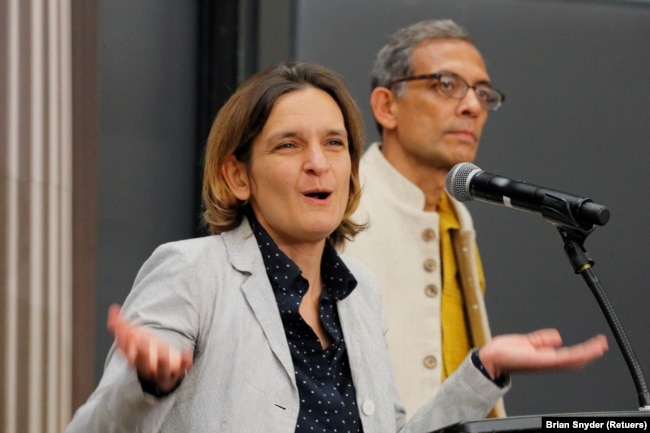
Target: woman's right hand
column 156, row 361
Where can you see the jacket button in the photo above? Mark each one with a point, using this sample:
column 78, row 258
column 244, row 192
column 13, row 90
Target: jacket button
column 430, row 265
column 428, row 235
column 368, row 407
column 430, row 362
column 431, row 290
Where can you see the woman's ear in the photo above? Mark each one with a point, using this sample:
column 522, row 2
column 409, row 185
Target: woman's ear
column 236, row 176
column 383, row 107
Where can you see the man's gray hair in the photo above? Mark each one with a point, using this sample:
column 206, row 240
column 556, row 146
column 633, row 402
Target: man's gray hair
column 394, row 59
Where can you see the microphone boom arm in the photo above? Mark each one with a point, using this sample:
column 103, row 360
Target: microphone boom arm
column 573, row 216
column 583, row 264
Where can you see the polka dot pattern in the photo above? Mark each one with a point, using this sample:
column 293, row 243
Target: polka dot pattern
column 327, row 394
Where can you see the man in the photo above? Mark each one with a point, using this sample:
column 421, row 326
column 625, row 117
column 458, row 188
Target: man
column 431, row 97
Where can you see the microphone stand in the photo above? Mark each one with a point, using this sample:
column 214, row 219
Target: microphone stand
column 583, row 264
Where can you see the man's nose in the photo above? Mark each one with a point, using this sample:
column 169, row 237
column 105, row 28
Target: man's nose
column 470, row 103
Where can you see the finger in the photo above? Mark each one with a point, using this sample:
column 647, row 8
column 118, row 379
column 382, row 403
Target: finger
column 178, row 361
column 126, row 338
column 166, row 370
column 122, row 335
column 578, row 355
column 173, row 361
column 153, row 355
column 130, row 345
column 122, row 330
column 592, row 349
column 113, row 316
column 601, row 341
column 187, row 359
column 547, row 337
column 127, row 343
column 143, row 354
column 115, row 323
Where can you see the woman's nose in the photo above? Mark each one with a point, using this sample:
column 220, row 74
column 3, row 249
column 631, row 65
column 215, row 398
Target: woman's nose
column 317, row 161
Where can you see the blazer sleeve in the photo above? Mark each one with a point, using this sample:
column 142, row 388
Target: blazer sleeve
column 466, row 395
column 164, row 298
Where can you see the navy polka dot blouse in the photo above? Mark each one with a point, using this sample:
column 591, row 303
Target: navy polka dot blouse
column 327, row 396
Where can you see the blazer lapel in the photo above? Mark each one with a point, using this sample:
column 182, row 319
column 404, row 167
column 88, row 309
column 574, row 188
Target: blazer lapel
column 245, row 256
column 353, row 330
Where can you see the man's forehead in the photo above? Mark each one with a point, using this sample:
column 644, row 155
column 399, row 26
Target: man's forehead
column 453, row 55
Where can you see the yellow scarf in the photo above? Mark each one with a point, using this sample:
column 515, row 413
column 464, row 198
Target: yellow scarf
column 456, row 341
column 456, row 338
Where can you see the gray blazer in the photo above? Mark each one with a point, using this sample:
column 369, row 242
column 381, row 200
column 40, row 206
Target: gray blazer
column 212, row 294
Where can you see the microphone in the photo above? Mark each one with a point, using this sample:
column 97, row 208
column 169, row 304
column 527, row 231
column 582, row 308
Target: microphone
column 466, row 182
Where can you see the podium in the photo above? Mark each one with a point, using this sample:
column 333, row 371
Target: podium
column 564, row 421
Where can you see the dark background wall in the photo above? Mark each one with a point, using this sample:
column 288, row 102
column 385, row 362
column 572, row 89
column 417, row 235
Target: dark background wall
column 165, row 66
column 147, row 158
column 576, row 119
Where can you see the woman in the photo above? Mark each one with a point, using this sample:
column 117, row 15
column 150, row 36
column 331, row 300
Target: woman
column 262, row 326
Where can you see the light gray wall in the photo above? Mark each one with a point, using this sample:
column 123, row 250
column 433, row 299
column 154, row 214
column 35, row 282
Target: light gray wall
column 576, row 119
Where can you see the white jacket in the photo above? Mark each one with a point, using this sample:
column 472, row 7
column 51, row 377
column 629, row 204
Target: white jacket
column 401, row 247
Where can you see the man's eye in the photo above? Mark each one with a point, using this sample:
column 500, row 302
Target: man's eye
column 484, row 93
column 447, row 84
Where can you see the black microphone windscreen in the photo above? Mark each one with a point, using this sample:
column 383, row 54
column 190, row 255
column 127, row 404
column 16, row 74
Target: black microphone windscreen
column 456, row 181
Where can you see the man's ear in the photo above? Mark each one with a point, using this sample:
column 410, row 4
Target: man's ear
column 382, row 103
column 236, row 176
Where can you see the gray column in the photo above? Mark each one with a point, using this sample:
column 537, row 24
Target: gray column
column 35, row 215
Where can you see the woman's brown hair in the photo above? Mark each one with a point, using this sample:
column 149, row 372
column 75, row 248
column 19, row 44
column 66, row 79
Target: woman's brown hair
column 242, row 118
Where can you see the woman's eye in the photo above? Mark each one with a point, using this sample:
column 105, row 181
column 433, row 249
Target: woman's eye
column 285, row 146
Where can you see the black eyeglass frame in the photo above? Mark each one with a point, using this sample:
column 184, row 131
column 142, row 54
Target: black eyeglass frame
column 439, row 75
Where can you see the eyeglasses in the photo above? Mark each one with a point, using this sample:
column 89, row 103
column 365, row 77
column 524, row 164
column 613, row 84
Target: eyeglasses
column 453, row 86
